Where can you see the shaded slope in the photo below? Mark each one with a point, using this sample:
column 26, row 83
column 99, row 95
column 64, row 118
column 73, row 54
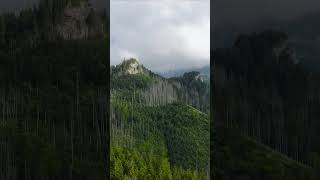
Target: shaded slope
column 53, row 120
column 239, row 157
column 262, row 89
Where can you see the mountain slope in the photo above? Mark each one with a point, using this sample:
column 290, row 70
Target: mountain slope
column 53, row 99
column 240, row 157
column 149, row 116
column 157, row 90
column 262, row 89
column 303, row 33
column 50, row 101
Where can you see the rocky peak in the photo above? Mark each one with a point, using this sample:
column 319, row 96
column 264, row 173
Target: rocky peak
column 79, row 22
column 130, row 66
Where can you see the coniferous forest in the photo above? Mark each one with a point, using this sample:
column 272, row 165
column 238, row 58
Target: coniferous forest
column 58, row 113
column 54, row 94
column 159, row 126
column 265, row 110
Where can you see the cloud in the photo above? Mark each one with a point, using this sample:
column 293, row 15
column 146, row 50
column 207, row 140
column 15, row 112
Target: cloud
column 166, row 34
column 247, row 12
column 125, row 53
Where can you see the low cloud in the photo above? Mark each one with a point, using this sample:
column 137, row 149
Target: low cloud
column 163, row 35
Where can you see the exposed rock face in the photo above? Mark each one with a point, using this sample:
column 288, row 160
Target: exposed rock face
column 190, row 88
column 134, row 68
column 200, row 77
column 130, row 67
column 80, row 22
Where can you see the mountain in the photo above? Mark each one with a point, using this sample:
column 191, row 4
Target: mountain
column 303, row 33
column 204, row 72
column 241, row 157
column 54, row 97
column 80, row 22
column 163, row 121
column 51, row 20
column 262, row 90
column 129, row 67
column 190, row 88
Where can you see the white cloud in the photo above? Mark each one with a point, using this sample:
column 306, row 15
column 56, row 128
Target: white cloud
column 124, row 54
column 162, row 34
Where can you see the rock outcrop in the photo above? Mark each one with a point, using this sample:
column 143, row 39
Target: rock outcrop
column 80, row 22
column 189, row 88
column 129, row 67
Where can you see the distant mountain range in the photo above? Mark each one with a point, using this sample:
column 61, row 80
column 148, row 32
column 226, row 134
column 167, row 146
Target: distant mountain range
column 204, row 71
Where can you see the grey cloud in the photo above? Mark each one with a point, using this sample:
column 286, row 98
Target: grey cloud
column 163, row 35
column 247, row 12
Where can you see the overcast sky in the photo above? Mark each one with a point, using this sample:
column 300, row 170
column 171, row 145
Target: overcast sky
column 245, row 12
column 231, row 17
column 162, row 35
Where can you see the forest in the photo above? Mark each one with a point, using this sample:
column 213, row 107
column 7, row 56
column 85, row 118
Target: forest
column 54, row 93
column 264, row 96
column 158, row 130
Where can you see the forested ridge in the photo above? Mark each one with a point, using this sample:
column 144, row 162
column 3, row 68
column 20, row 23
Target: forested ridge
column 51, row 20
column 244, row 158
column 54, row 98
column 261, row 91
column 157, row 130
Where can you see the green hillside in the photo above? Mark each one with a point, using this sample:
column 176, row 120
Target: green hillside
column 169, row 140
column 239, row 157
